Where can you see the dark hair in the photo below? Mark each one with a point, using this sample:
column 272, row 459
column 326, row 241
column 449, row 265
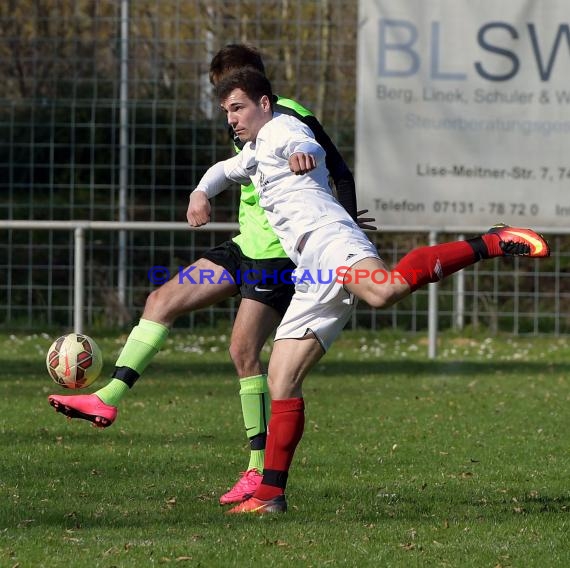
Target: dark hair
column 234, row 56
column 253, row 83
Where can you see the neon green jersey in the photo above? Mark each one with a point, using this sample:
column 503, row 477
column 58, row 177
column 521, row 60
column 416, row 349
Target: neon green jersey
column 256, row 238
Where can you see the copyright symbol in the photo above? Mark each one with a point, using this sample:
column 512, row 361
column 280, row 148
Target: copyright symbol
column 158, row 275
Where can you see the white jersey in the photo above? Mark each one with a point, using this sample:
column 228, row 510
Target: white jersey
column 294, row 204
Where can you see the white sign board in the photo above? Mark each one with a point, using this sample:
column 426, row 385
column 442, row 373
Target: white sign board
column 463, row 112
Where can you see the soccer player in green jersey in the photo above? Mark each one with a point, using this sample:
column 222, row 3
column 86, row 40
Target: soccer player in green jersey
column 265, row 296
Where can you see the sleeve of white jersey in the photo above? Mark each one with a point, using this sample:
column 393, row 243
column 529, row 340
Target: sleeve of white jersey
column 221, row 175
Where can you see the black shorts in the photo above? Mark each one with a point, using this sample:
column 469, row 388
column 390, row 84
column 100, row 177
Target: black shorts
column 268, row 280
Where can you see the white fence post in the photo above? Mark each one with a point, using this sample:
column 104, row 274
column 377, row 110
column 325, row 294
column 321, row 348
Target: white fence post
column 459, row 298
column 79, row 279
column 432, row 309
column 123, row 151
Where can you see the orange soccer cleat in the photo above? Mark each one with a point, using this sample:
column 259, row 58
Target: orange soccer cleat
column 520, row 242
column 255, row 506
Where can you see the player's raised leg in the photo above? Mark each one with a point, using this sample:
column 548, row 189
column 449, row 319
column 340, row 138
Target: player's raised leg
column 180, row 295
column 372, row 282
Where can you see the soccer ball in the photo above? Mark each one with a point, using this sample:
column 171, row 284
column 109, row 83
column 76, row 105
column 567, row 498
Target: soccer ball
column 74, row 361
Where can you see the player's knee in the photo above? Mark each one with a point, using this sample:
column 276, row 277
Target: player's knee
column 152, row 300
column 245, row 358
column 281, row 387
column 159, row 306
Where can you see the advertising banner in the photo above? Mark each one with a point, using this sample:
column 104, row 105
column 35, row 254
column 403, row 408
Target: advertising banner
column 463, row 112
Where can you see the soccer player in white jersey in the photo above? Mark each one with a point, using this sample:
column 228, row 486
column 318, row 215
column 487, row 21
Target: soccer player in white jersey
column 286, row 166
column 233, row 264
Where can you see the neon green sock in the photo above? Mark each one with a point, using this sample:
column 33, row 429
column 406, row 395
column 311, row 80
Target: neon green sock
column 255, row 407
column 113, row 392
column 143, row 343
column 256, row 459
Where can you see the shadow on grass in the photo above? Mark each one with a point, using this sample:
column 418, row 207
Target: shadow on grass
column 11, row 369
column 331, row 367
column 333, row 505
column 385, row 366
column 426, row 368
column 412, row 505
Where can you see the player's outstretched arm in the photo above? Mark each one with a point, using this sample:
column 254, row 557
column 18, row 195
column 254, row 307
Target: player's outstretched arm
column 217, row 178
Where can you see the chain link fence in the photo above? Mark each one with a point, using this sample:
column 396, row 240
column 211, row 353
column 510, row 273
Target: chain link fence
column 106, row 113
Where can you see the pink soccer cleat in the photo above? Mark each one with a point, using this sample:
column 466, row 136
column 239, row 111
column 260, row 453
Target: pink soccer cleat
column 87, row 406
column 249, row 481
column 255, row 506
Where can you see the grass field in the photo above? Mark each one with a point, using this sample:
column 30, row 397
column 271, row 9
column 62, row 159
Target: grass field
column 462, row 461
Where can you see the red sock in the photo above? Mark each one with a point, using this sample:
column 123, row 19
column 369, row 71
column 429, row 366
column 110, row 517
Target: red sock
column 283, row 434
column 430, row 264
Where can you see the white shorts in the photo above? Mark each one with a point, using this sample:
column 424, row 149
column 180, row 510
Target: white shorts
column 321, row 304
